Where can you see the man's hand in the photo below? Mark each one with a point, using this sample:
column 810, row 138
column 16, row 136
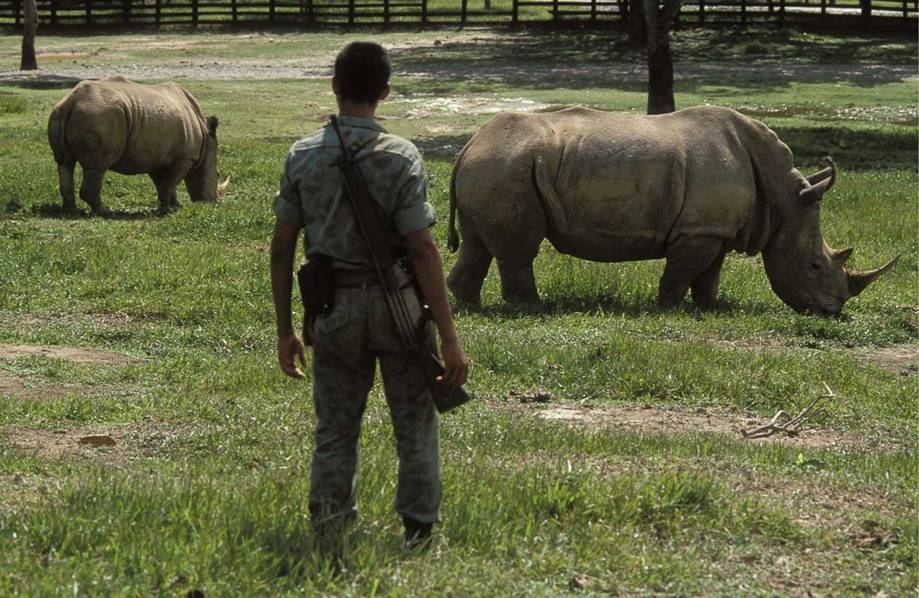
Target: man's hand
column 290, row 348
column 456, row 366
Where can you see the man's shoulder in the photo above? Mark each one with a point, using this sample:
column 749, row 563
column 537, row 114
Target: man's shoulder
column 400, row 146
column 312, row 141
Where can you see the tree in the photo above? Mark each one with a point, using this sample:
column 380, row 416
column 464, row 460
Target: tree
column 29, row 27
column 659, row 20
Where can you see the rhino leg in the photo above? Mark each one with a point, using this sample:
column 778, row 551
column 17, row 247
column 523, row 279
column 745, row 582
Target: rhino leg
column 705, row 288
column 91, row 190
column 468, row 273
column 65, row 183
column 518, row 284
column 691, row 261
column 166, row 181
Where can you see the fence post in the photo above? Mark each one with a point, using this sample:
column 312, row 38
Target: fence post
column 701, row 11
column 158, row 13
column 310, row 11
column 271, row 9
column 515, row 14
column 17, row 12
column 781, row 11
column 126, row 12
column 823, row 7
column 234, row 10
column 424, row 11
column 386, row 12
column 743, row 11
column 463, row 8
column 350, row 12
column 89, row 12
column 194, row 13
column 54, row 12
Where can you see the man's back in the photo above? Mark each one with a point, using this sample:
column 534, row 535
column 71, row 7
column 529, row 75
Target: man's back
column 311, row 190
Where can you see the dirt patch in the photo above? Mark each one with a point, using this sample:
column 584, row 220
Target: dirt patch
column 425, row 108
column 903, row 359
column 651, row 420
column 900, row 359
column 37, row 390
column 74, row 354
column 62, row 55
column 108, row 445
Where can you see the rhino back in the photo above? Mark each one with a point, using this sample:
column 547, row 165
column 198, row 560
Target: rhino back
column 627, row 185
column 131, row 128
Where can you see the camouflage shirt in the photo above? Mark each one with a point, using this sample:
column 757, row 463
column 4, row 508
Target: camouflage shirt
column 312, row 193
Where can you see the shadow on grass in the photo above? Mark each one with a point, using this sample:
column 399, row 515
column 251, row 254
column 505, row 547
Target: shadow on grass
column 611, row 303
column 57, row 212
column 755, row 58
column 852, row 149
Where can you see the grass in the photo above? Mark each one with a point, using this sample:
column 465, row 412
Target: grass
column 206, row 487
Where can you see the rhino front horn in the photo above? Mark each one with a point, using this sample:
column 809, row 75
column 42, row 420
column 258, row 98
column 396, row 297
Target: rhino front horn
column 859, row 280
column 221, row 187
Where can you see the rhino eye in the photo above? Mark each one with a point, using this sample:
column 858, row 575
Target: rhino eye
column 816, row 265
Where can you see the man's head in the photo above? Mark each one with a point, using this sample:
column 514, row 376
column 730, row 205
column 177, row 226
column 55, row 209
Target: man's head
column 361, row 73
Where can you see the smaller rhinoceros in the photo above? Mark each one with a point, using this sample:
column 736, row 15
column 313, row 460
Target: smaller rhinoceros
column 116, row 124
column 688, row 187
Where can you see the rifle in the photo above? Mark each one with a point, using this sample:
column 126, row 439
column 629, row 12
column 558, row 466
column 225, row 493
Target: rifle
column 393, row 277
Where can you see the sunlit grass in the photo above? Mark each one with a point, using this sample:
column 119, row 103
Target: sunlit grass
column 208, row 488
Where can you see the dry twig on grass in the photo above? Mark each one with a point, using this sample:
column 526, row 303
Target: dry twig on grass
column 791, row 425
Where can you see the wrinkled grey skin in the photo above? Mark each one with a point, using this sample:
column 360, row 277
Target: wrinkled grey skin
column 118, row 125
column 688, row 187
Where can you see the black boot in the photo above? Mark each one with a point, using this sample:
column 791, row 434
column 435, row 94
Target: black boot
column 417, row 534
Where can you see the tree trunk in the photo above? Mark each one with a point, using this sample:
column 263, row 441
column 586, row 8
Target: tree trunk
column 660, row 59
column 29, row 28
column 638, row 31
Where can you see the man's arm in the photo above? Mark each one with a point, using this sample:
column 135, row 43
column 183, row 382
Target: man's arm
column 425, row 256
column 283, row 250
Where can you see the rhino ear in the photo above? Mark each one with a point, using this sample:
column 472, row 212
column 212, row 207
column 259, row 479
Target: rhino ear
column 841, row 257
column 212, row 125
column 814, row 193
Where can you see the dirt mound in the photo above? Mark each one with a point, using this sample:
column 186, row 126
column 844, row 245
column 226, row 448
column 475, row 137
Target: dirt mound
column 657, row 421
column 74, row 354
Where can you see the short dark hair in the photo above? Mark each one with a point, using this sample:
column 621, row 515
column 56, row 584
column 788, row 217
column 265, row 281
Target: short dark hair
column 362, row 72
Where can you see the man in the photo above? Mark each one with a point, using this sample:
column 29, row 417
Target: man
column 358, row 331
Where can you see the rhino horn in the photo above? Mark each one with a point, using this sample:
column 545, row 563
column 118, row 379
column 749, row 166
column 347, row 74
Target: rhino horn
column 221, row 187
column 827, row 173
column 859, row 280
column 841, row 257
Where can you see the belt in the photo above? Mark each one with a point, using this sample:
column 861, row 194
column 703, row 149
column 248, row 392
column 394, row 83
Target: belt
column 346, row 279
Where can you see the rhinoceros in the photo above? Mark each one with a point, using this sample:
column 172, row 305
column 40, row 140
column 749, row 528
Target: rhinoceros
column 116, row 124
column 689, row 187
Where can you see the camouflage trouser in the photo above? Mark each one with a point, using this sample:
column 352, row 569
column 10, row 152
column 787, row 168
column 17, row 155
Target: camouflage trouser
column 347, row 343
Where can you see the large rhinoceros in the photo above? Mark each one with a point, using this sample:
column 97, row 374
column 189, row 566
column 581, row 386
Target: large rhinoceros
column 688, row 186
column 116, row 124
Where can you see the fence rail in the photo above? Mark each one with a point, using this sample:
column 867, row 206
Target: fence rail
column 94, row 14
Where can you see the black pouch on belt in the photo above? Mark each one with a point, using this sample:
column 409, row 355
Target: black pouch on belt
column 316, row 279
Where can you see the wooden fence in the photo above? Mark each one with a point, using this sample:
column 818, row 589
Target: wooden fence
column 64, row 15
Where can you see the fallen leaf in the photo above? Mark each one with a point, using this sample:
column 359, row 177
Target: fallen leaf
column 98, row 440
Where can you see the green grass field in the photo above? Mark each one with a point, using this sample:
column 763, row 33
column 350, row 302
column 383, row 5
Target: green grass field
column 602, row 454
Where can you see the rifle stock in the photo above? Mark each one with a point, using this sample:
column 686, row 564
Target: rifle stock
column 445, row 398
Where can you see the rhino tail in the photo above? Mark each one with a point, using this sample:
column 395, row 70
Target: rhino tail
column 552, row 204
column 57, row 122
column 452, row 235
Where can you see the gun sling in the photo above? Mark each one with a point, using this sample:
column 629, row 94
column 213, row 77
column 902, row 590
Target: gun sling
column 393, row 279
